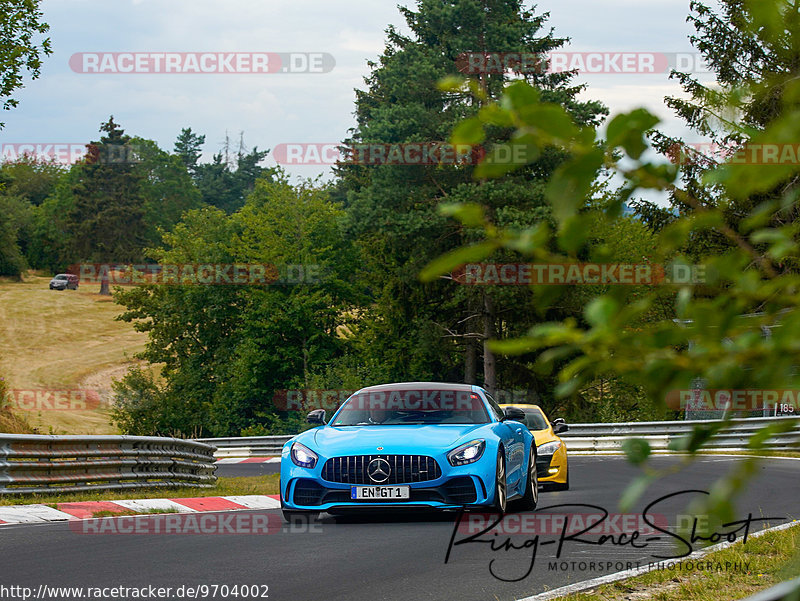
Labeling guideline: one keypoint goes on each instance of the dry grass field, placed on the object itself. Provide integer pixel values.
(63, 340)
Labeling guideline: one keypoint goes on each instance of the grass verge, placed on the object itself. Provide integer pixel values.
(13, 424)
(766, 561)
(257, 485)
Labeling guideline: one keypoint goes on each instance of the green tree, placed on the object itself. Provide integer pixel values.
(12, 262)
(747, 95)
(21, 48)
(188, 147)
(712, 338)
(438, 330)
(107, 218)
(30, 179)
(226, 181)
(227, 349)
(167, 189)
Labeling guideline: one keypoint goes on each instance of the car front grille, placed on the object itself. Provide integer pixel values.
(461, 491)
(404, 469)
(308, 493)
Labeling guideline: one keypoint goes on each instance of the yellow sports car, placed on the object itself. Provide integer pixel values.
(551, 460)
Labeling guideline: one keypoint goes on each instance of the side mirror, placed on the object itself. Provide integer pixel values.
(559, 426)
(513, 413)
(316, 417)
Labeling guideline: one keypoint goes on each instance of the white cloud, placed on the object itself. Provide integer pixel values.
(65, 106)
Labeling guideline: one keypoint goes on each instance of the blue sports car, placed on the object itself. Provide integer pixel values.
(411, 445)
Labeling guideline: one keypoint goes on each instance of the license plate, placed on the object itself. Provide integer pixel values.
(358, 493)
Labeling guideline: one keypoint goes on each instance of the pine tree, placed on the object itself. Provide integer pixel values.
(749, 47)
(107, 218)
(188, 147)
(438, 330)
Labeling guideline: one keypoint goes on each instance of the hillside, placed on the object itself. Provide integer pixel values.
(57, 345)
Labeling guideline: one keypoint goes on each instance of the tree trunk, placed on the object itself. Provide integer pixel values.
(104, 286)
(470, 360)
(489, 361)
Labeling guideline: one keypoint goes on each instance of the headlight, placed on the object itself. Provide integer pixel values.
(467, 453)
(303, 456)
(549, 448)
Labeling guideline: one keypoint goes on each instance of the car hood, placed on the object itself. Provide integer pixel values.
(543, 436)
(412, 439)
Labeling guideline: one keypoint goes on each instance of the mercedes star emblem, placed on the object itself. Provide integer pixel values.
(378, 470)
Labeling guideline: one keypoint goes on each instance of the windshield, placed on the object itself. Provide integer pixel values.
(534, 419)
(60, 277)
(412, 406)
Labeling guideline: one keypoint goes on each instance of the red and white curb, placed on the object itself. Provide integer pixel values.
(35, 514)
(227, 460)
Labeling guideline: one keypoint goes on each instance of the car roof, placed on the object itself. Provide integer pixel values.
(522, 406)
(420, 385)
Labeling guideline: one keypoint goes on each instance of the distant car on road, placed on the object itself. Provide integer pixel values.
(63, 281)
(411, 445)
(551, 452)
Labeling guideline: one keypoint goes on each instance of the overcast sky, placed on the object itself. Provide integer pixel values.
(65, 106)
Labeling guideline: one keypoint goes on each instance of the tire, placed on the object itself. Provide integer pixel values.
(530, 499)
(500, 504)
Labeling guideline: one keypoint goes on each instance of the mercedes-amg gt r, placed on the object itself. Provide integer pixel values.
(411, 445)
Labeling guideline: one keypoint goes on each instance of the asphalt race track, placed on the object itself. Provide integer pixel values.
(387, 557)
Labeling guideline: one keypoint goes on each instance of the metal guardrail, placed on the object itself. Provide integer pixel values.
(247, 446)
(735, 436)
(600, 438)
(36, 464)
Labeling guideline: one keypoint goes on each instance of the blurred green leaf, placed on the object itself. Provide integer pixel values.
(600, 311)
(456, 258)
(468, 132)
(452, 83)
(469, 214)
(637, 450)
(628, 129)
(569, 188)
